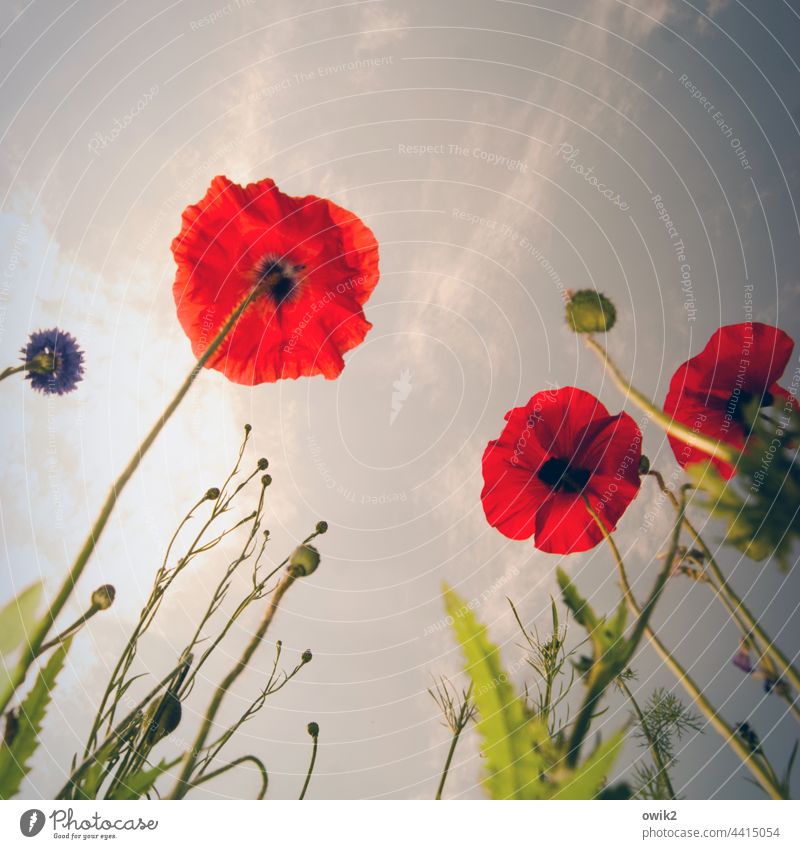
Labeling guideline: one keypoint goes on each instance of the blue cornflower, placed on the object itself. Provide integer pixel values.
(53, 361)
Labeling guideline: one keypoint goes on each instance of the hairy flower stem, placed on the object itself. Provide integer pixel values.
(720, 450)
(739, 611)
(44, 625)
(663, 774)
(310, 772)
(759, 772)
(184, 782)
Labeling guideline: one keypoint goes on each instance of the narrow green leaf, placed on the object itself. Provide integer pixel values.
(17, 618)
(509, 736)
(587, 780)
(14, 756)
(140, 783)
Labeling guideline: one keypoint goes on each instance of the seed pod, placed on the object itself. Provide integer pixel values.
(103, 597)
(304, 561)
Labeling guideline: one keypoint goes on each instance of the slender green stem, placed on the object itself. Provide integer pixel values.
(244, 759)
(452, 750)
(121, 728)
(68, 632)
(184, 782)
(741, 614)
(720, 450)
(663, 774)
(758, 770)
(42, 628)
(310, 772)
(607, 673)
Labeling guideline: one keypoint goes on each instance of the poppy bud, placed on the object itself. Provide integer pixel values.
(590, 312)
(304, 561)
(266, 480)
(644, 464)
(306, 656)
(103, 597)
(313, 729)
(162, 718)
(263, 463)
(248, 428)
(322, 527)
(212, 494)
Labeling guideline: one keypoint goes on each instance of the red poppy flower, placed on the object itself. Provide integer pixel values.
(709, 392)
(558, 449)
(313, 266)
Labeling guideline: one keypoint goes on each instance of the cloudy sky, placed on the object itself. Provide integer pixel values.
(459, 132)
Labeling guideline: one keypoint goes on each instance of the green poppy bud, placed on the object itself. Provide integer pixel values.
(306, 656)
(263, 463)
(644, 464)
(162, 718)
(304, 561)
(322, 527)
(103, 597)
(266, 480)
(212, 494)
(313, 729)
(590, 312)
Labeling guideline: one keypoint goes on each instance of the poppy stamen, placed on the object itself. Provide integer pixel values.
(558, 474)
(277, 278)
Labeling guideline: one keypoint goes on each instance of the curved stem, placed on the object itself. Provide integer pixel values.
(720, 450)
(68, 632)
(43, 626)
(758, 770)
(183, 784)
(738, 609)
(244, 759)
(310, 767)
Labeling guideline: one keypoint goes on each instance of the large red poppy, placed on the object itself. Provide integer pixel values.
(709, 393)
(558, 449)
(313, 266)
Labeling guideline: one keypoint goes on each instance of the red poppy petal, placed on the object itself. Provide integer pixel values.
(565, 526)
(330, 254)
(610, 497)
(748, 356)
(565, 413)
(511, 494)
(611, 446)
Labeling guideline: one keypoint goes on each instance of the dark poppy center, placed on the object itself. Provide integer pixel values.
(277, 277)
(560, 476)
(739, 401)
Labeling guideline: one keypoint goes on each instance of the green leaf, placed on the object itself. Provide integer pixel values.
(588, 779)
(14, 756)
(17, 618)
(140, 783)
(511, 739)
